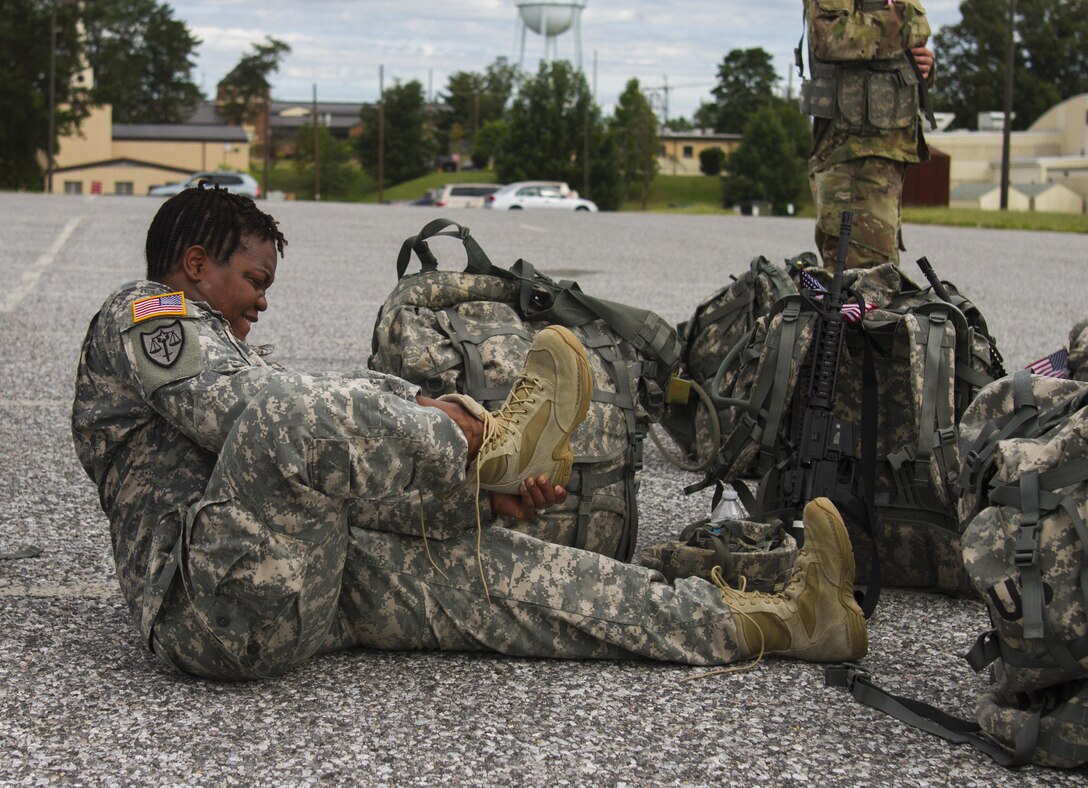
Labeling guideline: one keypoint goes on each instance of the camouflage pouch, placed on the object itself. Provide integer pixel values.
(469, 332)
(760, 553)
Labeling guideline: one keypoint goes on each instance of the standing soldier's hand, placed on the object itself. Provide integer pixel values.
(923, 56)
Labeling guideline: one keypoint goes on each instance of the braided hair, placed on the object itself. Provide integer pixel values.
(205, 216)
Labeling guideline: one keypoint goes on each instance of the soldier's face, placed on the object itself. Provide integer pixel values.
(239, 289)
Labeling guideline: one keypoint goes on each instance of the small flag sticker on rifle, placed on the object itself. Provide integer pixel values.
(851, 313)
(1053, 366)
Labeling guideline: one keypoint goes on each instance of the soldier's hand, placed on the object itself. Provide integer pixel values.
(537, 494)
(924, 57)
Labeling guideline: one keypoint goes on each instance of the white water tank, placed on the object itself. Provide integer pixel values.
(550, 19)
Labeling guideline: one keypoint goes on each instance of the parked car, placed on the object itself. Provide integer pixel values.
(464, 195)
(426, 200)
(538, 194)
(237, 182)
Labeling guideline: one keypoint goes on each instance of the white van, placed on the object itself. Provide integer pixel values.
(465, 195)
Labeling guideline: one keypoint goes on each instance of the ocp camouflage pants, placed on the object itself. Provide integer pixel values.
(308, 539)
(872, 189)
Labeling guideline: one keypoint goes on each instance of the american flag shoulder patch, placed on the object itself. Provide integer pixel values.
(158, 306)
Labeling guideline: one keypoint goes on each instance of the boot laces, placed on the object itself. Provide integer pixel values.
(500, 423)
(733, 597)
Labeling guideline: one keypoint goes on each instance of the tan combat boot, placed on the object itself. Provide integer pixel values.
(815, 617)
(530, 434)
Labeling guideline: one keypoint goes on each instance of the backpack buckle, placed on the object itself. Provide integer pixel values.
(844, 675)
(1027, 546)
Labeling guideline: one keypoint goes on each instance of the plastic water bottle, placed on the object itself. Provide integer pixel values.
(729, 507)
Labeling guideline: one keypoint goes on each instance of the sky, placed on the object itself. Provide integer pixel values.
(339, 45)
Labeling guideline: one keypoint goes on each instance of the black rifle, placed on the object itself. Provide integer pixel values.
(823, 464)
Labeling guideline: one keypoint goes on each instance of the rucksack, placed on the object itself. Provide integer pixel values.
(1024, 443)
(468, 332)
(718, 323)
(908, 370)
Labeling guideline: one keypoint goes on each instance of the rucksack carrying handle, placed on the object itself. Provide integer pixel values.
(478, 261)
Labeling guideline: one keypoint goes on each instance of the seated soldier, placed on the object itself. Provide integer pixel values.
(259, 517)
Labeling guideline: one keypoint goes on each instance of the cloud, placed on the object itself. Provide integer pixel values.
(340, 44)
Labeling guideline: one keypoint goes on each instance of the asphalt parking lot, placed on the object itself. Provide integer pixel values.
(81, 701)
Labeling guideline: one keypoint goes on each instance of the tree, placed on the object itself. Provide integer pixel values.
(711, 161)
(142, 59)
(547, 136)
(409, 142)
(475, 99)
(333, 161)
(635, 129)
(491, 137)
(746, 80)
(24, 87)
(766, 166)
(243, 92)
(1050, 58)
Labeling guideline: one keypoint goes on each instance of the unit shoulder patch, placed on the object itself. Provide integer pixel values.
(164, 351)
(164, 344)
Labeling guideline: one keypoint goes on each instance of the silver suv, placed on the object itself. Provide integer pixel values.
(237, 182)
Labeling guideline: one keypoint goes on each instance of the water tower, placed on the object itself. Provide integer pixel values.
(551, 18)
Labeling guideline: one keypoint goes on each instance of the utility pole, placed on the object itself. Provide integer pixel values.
(267, 140)
(1006, 132)
(665, 108)
(52, 95)
(381, 134)
(585, 151)
(317, 150)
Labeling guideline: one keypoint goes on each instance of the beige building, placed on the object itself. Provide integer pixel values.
(120, 158)
(1054, 150)
(678, 151)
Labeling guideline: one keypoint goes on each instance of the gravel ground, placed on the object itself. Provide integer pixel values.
(83, 702)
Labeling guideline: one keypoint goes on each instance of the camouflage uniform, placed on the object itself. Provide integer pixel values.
(864, 97)
(259, 517)
(1078, 351)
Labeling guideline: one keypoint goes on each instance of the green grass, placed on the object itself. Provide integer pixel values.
(1004, 220)
(682, 193)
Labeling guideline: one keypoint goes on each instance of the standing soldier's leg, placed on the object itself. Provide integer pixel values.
(546, 600)
(872, 188)
(263, 552)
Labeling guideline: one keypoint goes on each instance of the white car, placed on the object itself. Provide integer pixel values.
(538, 194)
(237, 182)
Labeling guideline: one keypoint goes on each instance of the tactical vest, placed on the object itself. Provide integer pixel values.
(862, 76)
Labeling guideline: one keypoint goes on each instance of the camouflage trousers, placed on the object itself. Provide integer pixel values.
(872, 188)
(308, 539)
